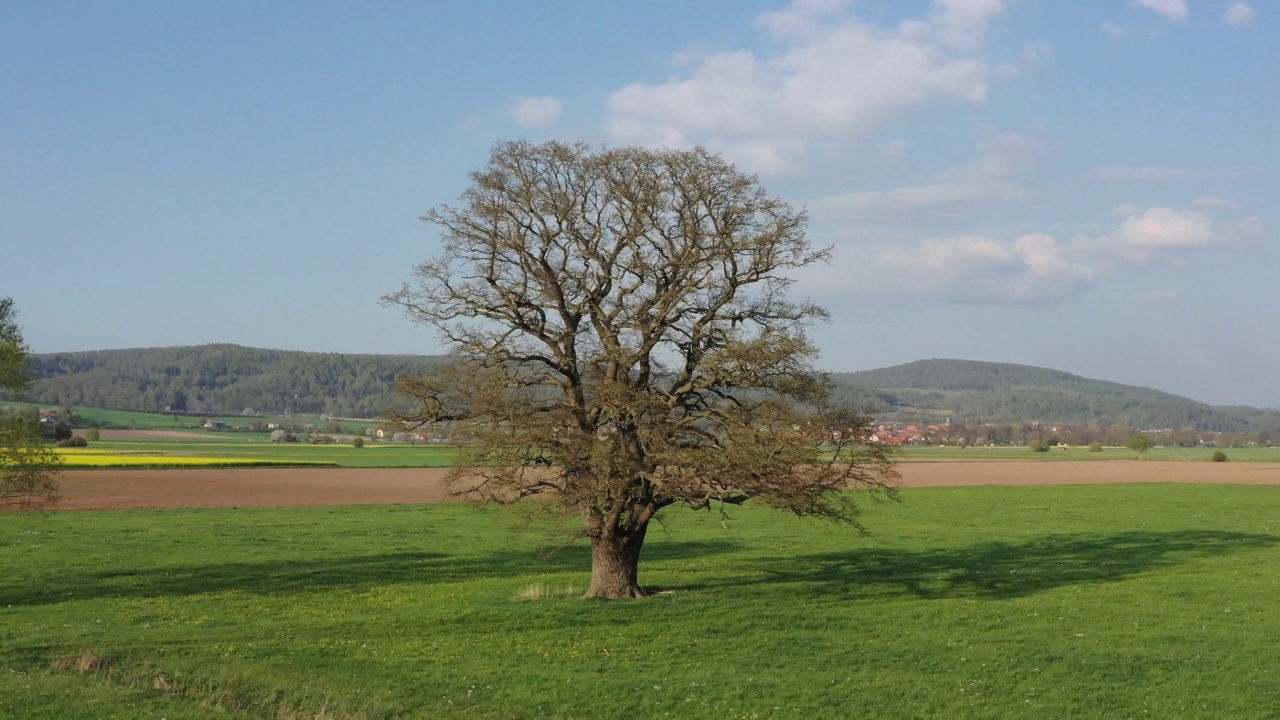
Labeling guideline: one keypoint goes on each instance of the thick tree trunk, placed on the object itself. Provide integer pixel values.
(615, 563)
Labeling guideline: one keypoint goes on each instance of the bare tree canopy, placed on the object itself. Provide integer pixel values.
(625, 343)
(28, 466)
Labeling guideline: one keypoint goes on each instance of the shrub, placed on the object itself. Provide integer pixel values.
(1096, 447)
(73, 441)
(357, 442)
(1219, 456)
(1038, 446)
(92, 434)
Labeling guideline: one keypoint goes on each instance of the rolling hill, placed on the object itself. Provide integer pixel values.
(227, 379)
(971, 391)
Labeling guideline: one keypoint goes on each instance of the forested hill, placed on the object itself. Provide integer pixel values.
(223, 379)
(228, 379)
(969, 391)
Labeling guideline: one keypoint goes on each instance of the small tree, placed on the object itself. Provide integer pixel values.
(1038, 445)
(357, 442)
(624, 343)
(1219, 456)
(28, 466)
(1140, 444)
(1095, 448)
(92, 434)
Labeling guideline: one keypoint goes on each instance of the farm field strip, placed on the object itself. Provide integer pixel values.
(178, 452)
(141, 461)
(387, 455)
(273, 487)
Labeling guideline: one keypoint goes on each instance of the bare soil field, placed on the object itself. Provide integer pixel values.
(272, 487)
(148, 435)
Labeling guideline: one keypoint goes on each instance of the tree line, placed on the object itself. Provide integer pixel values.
(227, 379)
(223, 380)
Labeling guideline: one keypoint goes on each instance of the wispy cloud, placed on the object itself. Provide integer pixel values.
(533, 112)
(1112, 29)
(1238, 15)
(1168, 9)
(1140, 172)
(1215, 203)
(1165, 295)
(995, 175)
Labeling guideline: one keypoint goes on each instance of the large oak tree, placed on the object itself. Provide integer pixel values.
(624, 342)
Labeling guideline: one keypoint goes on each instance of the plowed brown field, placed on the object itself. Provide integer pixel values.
(270, 487)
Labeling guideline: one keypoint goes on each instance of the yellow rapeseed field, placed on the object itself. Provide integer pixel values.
(73, 459)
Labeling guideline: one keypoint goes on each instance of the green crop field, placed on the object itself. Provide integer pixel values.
(128, 419)
(1010, 602)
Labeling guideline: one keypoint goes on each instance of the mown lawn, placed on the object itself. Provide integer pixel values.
(1011, 602)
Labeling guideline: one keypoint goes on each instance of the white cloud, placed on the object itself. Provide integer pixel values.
(1132, 172)
(1036, 267)
(1112, 29)
(1238, 15)
(1144, 234)
(827, 75)
(532, 112)
(1169, 9)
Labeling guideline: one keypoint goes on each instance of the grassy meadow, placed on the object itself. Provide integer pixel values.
(1011, 602)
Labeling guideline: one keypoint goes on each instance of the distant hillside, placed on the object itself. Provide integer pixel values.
(227, 379)
(971, 391)
(223, 380)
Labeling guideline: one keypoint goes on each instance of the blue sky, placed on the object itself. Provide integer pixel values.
(1084, 186)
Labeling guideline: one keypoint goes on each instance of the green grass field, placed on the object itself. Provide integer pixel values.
(1010, 602)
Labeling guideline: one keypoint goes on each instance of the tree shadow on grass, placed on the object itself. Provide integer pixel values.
(998, 570)
(318, 574)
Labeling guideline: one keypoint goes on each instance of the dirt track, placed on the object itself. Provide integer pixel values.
(268, 487)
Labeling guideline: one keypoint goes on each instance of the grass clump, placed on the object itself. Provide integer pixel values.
(543, 591)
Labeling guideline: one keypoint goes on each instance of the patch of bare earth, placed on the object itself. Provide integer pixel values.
(149, 435)
(248, 487)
